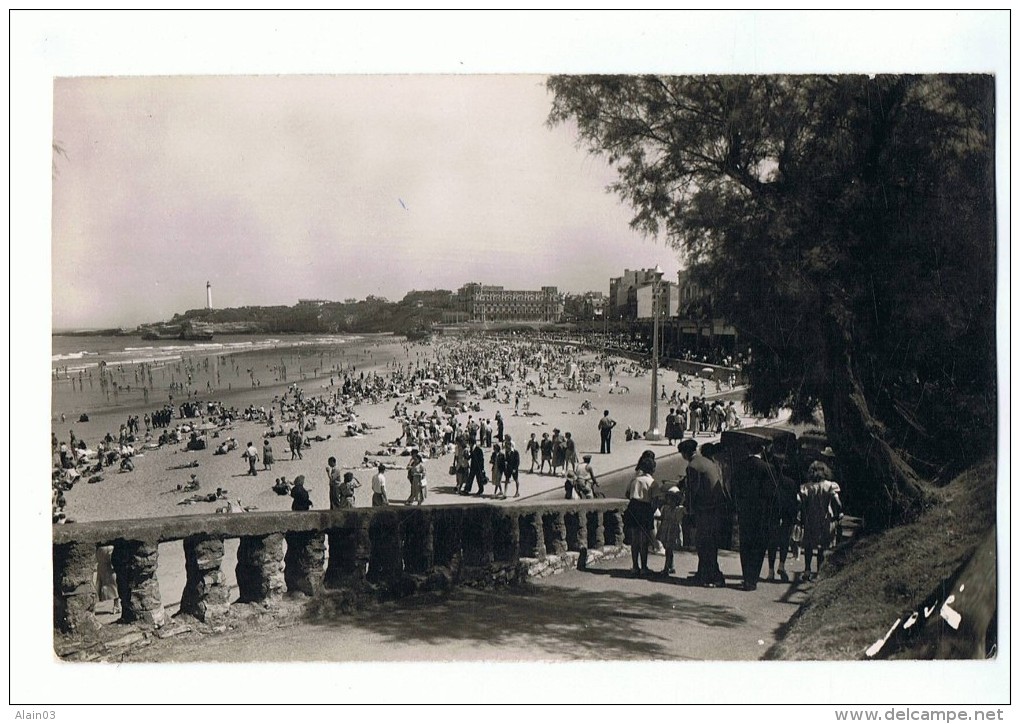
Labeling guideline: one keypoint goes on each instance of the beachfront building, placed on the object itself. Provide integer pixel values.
(622, 302)
(669, 300)
(695, 326)
(491, 303)
(687, 321)
(583, 307)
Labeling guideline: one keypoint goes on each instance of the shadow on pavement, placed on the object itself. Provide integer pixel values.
(565, 622)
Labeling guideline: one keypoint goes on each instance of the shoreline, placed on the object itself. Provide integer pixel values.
(74, 402)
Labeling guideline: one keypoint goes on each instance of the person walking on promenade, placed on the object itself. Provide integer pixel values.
(477, 470)
(570, 453)
(671, 426)
(709, 503)
(416, 474)
(499, 427)
(606, 425)
(638, 518)
(462, 464)
(484, 433)
(787, 509)
(821, 510)
(513, 466)
(379, 497)
(755, 492)
(252, 456)
(547, 452)
(497, 460)
(533, 449)
(559, 452)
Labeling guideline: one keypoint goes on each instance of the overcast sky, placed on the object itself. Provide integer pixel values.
(280, 187)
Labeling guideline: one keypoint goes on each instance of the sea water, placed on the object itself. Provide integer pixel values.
(96, 373)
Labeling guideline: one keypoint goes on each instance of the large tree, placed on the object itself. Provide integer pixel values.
(846, 227)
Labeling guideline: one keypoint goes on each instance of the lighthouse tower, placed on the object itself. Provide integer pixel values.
(208, 295)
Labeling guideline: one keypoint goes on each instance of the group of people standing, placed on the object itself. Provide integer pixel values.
(768, 505)
(343, 486)
(469, 467)
(700, 415)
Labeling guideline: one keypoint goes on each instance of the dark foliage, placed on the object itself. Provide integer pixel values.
(846, 227)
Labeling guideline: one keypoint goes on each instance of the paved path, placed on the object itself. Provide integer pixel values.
(600, 614)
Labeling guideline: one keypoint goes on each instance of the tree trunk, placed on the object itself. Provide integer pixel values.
(876, 480)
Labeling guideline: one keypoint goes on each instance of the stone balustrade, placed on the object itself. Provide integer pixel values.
(387, 552)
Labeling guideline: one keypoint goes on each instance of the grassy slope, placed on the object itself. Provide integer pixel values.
(865, 587)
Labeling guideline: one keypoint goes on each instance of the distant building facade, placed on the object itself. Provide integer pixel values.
(491, 303)
(623, 298)
(687, 321)
(669, 299)
(583, 307)
(696, 325)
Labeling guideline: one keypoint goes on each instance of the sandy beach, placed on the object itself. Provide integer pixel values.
(151, 489)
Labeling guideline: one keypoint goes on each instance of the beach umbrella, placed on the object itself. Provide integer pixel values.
(708, 371)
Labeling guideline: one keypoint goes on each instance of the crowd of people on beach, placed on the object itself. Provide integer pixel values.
(432, 426)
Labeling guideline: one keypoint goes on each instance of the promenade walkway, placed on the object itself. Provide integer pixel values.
(601, 614)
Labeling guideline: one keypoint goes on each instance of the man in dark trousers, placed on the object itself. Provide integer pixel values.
(513, 465)
(709, 502)
(755, 492)
(606, 425)
(477, 471)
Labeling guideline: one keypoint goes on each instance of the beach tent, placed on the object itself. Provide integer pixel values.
(456, 394)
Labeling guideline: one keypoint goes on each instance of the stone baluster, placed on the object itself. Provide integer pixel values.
(419, 553)
(555, 533)
(74, 594)
(596, 532)
(303, 562)
(206, 594)
(577, 530)
(532, 536)
(614, 527)
(135, 563)
(478, 540)
(350, 550)
(386, 560)
(260, 568)
(447, 536)
(506, 538)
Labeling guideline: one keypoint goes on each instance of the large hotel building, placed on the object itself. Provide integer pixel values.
(488, 303)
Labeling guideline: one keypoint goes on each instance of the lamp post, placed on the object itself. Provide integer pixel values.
(605, 327)
(653, 424)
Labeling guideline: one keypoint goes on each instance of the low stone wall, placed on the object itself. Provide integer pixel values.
(381, 553)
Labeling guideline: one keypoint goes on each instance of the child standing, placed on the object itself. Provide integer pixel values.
(670, 532)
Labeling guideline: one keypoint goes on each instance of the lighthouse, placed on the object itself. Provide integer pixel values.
(208, 295)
